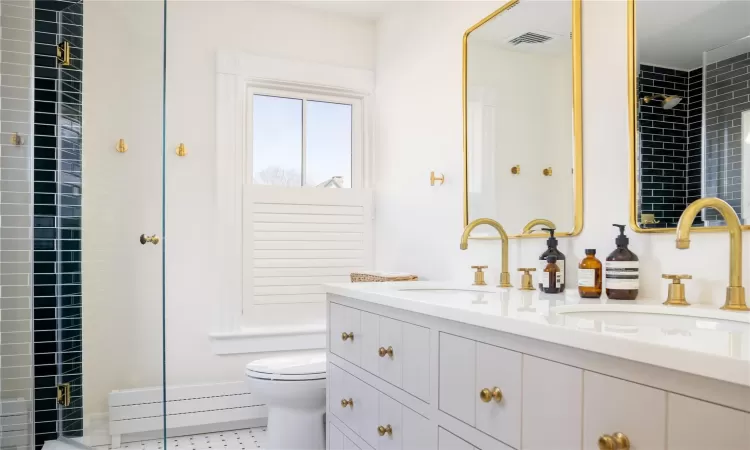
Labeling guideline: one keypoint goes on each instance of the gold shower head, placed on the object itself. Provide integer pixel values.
(667, 101)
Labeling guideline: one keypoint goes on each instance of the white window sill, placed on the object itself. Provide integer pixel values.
(257, 340)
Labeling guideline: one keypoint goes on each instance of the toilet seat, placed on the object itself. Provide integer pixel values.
(293, 367)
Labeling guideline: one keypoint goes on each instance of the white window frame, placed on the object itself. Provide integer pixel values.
(236, 74)
(310, 93)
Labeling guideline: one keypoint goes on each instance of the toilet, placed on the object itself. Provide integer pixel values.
(293, 387)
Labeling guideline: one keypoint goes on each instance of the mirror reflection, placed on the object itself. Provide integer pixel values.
(693, 109)
(521, 145)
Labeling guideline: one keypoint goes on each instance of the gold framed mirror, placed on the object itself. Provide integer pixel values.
(522, 119)
(689, 111)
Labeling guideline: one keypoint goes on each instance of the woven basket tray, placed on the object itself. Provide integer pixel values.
(370, 278)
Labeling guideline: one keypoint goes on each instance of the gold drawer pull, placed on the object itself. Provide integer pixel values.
(382, 351)
(486, 395)
(383, 430)
(345, 336)
(345, 403)
(617, 441)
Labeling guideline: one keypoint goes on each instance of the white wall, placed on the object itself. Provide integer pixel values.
(419, 129)
(122, 286)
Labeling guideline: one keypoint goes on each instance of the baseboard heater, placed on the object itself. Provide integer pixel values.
(15, 425)
(136, 413)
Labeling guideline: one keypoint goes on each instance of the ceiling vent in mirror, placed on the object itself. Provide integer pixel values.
(529, 38)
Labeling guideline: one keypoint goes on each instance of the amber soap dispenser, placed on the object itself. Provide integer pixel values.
(622, 270)
(552, 250)
(551, 276)
(590, 276)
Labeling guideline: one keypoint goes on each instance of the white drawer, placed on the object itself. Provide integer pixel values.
(697, 425)
(354, 402)
(552, 405)
(402, 428)
(466, 369)
(611, 405)
(344, 326)
(409, 366)
(337, 440)
(449, 441)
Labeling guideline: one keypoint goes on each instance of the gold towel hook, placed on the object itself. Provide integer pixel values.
(181, 150)
(122, 147)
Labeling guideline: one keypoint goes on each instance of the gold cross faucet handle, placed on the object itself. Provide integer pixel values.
(527, 283)
(479, 275)
(676, 290)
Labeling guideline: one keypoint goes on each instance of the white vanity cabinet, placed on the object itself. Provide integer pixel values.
(449, 441)
(697, 425)
(409, 381)
(338, 441)
(396, 351)
(552, 405)
(382, 422)
(480, 384)
(611, 405)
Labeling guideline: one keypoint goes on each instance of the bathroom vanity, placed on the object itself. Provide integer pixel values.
(434, 366)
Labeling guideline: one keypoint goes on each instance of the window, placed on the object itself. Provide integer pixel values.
(301, 139)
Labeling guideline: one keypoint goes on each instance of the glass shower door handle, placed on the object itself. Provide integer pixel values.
(146, 239)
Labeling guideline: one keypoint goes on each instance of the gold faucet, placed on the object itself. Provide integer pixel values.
(529, 226)
(735, 300)
(504, 275)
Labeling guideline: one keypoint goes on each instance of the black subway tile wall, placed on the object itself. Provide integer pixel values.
(57, 220)
(694, 148)
(727, 96)
(663, 145)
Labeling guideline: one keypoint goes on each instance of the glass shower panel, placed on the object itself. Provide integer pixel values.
(16, 226)
(726, 173)
(81, 223)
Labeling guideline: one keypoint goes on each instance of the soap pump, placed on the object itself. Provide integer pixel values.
(622, 270)
(552, 250)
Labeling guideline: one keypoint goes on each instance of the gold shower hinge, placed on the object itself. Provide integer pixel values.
(63, 53)
(63, 394)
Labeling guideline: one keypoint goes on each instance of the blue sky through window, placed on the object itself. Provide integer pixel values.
(277, 141)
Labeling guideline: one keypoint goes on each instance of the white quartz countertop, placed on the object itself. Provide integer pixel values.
(700, 340)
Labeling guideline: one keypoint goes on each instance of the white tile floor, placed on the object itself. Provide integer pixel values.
(250, 439)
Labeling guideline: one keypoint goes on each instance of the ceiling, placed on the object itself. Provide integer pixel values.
(360, 9)
(675, 33)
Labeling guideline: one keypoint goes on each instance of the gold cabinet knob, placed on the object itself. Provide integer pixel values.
(181, 150)
(345, 336)
(383, 430)
(382, 351)
(479, 275)
(547, 171)
(347, 402)
(616, 441)
(146, 239)
(487, 395)
(676, 290)
(515, 170)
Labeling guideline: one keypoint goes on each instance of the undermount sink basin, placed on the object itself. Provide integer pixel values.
(657, 316)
